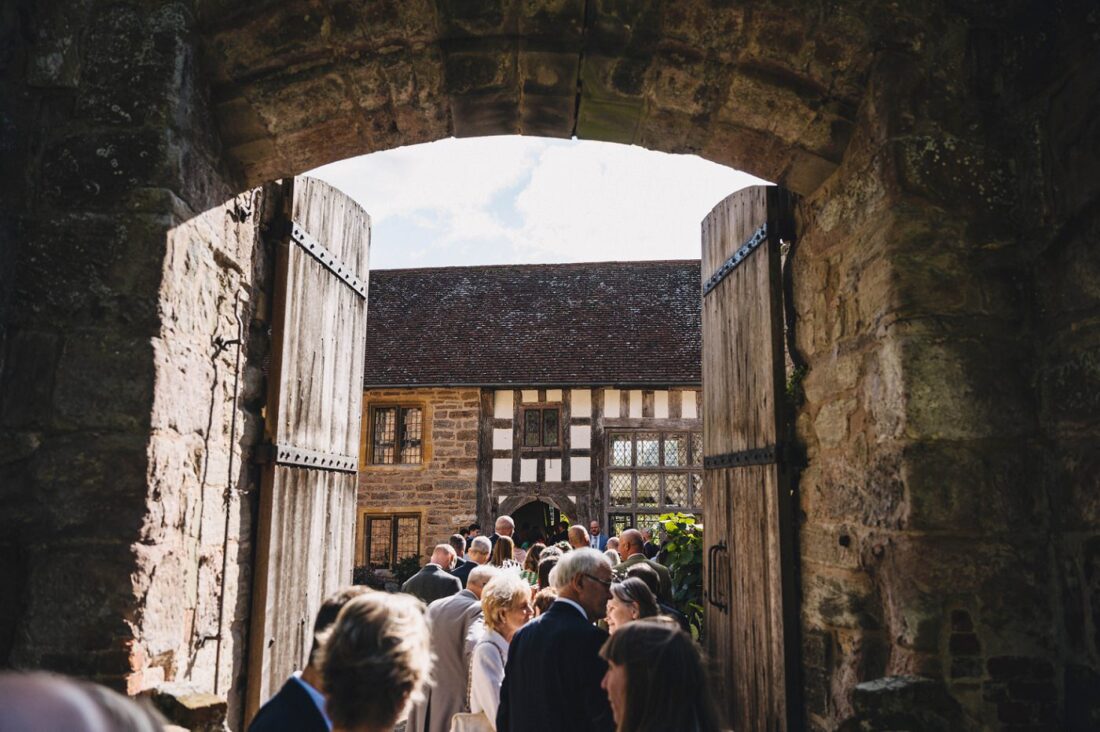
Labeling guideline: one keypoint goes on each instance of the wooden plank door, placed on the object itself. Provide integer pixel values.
(750, 613)
(305, 541)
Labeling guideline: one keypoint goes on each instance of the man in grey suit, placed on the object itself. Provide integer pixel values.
(433, 581)
(632, 551)
(450, 621)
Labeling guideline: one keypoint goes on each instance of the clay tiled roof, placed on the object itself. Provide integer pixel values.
(614, 323)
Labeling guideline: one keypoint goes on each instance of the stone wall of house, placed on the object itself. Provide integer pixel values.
(443, 489)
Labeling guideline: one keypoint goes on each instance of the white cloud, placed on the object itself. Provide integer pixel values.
(513, 199)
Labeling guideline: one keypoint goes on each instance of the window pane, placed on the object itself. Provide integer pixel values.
(383, 434)
(696, 449)
(378, 541)
(649, 446)
(696, 490)
(549, 427)
(411, 440)
(647, 488)
(531, 419)
(675, 451)
(620, 522)
(620, 493)
(676, 489)
(408, 537)
(621, 452)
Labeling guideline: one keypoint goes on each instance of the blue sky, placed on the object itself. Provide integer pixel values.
(520, 200)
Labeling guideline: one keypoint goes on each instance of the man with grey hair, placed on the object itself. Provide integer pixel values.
(505, 526)
(450, 620)
(433, 580)
(553, 673)
(480, 549)
(632, 552)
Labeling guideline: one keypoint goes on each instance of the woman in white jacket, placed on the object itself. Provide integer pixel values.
(506, 607)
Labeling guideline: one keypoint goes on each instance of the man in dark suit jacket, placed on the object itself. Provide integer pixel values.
(553, 674)
(299, 706)
(433, 581)
(458, 543)
(479, 554)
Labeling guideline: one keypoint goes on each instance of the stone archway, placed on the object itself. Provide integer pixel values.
(943, 300)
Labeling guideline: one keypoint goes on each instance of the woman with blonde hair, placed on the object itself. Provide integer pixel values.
(630, 600)
(505, 608)
(504, 554)
(644, 696)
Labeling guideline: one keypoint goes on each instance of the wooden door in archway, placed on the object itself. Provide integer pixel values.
(305, 539)
(750, 613)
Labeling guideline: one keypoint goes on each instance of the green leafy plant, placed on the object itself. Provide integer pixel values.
(682, 551)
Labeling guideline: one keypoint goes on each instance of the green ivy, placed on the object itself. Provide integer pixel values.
(682, 551)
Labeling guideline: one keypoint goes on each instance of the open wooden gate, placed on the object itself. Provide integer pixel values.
(750, 618)
(306, 532)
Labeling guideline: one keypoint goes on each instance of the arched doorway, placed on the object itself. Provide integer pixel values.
(535, 521)
(909, 319)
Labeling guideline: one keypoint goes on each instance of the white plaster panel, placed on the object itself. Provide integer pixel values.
(502, 469)
(580, 437)
(687, 408)
(553, 395)
(528, 470)
(611, 403)
(553, 471)
(635, 403)
(502, 439)
(580, 468)
(502, 404)
(580, 403)
(660, 404)
(530, 395)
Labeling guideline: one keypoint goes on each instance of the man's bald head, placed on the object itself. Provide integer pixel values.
(630, 543)
(444, 555)
(505, 526)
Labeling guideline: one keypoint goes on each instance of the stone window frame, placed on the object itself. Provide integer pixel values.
(366, 439)
(366, 514)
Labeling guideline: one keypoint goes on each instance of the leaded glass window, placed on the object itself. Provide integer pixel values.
(650, 473)
(621, 493)
(541, 427)
(391, 538)
(649, 485)
(396, 435)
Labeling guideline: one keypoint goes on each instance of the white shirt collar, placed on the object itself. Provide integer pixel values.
(577, 605)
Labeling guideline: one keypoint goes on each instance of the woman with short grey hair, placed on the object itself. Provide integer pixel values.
(505, 608)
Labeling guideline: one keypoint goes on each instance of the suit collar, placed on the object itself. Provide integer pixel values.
(564, 603)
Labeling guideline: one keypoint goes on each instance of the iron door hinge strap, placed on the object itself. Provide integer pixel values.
(751, 244)
(328, 260)
(300, 457)
(757, 456)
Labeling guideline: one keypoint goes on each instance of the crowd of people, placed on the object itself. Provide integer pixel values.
(562, 637)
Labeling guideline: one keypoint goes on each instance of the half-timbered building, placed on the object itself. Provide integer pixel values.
(534, 390)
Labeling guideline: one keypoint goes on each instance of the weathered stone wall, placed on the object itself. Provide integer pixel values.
(937, 478)
(443, 489)
(127, 407)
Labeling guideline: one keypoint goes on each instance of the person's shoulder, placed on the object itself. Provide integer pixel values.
(288, 709)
